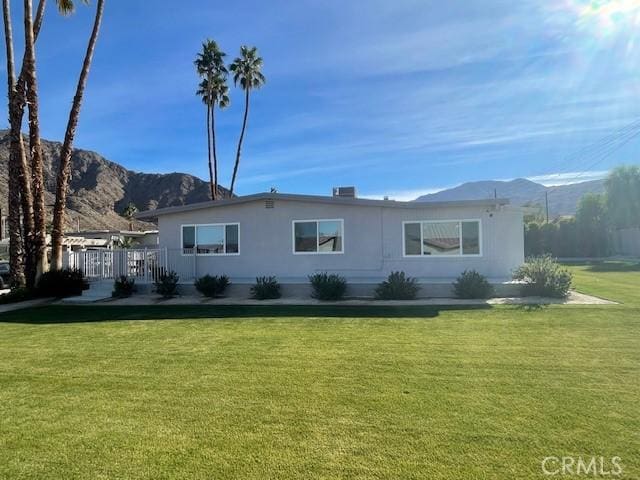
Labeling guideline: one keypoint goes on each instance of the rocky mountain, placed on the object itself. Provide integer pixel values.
(101, 189)
(563, 199)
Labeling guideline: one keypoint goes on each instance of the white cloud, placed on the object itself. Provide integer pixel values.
(568, 178)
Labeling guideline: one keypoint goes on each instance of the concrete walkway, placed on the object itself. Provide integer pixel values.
(11, 307)
(574, 298)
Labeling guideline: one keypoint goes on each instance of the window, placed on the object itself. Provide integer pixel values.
(318, 236)
(218, 239)
(442, 238)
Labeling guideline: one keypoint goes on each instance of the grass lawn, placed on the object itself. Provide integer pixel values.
(211, 393)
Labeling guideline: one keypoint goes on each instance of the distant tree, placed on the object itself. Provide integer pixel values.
(67, 7)
(592, 225)
(247, 72)
(214, 91)
(623, 197)
(129, 213)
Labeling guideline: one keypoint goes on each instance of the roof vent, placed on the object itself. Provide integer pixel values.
(344, 192)
(269, 203)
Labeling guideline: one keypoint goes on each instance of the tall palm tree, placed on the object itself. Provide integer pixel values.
(19, 171)
(15, 236)
(246, 71)
(214, 91)
(64, 169)
(35, 148)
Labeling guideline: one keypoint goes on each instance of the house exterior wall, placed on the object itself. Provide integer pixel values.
(373, 241)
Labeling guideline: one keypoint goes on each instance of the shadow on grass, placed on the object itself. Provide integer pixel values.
(76, 314)
(608, 266)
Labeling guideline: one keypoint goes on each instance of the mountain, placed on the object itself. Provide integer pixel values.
(101, 189)
(563, 199)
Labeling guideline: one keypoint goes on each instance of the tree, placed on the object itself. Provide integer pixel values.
(592, 225)
(623, 196)
(35, 149)
(246, 71)
(64, 169)
(214, 91)
(129, 213)
(20, 196)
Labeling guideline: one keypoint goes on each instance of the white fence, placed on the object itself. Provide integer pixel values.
(145, 265)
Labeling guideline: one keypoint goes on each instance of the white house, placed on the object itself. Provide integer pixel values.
(293, 236)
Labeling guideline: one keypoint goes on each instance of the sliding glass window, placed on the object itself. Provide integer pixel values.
(442, 238)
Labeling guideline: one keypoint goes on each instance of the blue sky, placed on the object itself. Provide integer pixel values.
(398, 98)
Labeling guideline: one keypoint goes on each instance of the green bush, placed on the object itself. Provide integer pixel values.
(266, 288)
(471, 284)
(123, 287)
(167, 284)
(61, 283)
(16, 295)
(212, 286)
(327, 287)
(544, 277)
(397, 286)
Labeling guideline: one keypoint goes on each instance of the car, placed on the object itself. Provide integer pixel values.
(5, 273)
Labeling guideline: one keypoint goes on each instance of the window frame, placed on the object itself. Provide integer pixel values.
(317, 221)
(459, 222)
(195, 247)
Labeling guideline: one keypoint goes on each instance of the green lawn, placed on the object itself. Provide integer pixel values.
(213, 393)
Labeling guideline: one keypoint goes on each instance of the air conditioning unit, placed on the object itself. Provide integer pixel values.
(345, 192)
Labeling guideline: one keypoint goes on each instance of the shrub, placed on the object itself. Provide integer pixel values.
(397, 287)
(544, 277)
(471, 284)
(123, 287)
(16, 295)
(266, 288)
(167, 284)
(61, 283)
(328, 287)
(212, 286)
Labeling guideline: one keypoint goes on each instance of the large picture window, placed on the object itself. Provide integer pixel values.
(217, 239)
(318, 236)
(442, 238)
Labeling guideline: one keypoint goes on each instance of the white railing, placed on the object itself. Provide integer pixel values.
(144, 265)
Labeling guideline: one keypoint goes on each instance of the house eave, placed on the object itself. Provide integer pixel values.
(363, 202)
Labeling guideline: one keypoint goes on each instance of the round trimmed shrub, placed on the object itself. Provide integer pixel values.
(266, 288)
(123, 287)
(397, 286)
(543, 276)
(471, 284)
(328, 287)
(212, 286)
(67, 282)
(166, 284)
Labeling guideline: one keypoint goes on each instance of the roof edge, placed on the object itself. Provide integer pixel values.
(148, 214)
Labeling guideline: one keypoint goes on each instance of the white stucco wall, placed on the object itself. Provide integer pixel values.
(373, 241)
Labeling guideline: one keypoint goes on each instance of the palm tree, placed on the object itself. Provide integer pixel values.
(35, 149)
(129, 213)
(64, 169)
(19, 176)
(213, 90)
(246, 71)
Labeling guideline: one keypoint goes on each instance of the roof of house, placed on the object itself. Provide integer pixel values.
(335, 200)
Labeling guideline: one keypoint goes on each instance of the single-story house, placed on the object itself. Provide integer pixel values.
(292, 236)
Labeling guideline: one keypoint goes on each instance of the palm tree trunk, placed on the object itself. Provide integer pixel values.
(64, 169)
(35, 147)
(16, 245)
(244, 126)
(213, 145)
(19, 180)
(213, 193)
